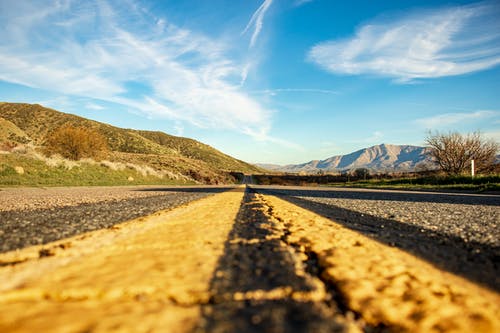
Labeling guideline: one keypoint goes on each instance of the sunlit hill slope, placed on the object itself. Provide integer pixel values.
(31, 123)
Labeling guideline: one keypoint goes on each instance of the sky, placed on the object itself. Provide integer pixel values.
(265, 81)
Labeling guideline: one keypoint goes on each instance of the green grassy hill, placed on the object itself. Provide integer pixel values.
(22, 123)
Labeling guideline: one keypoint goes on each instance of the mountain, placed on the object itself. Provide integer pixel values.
(31, 123)
(384, 157)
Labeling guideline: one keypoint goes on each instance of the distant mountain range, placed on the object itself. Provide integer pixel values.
(384, 157)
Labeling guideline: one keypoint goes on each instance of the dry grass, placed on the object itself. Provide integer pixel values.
(40, 170)
(153, 154)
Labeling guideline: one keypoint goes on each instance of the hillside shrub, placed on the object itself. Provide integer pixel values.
(75, 143)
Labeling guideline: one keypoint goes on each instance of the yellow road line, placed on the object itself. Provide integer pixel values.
(149, 274)
(386, 285)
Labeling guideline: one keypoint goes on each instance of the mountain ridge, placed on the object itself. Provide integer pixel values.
(31, 123)
(383, 157)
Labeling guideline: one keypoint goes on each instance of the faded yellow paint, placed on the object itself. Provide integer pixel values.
(150, 274)
(386, 285)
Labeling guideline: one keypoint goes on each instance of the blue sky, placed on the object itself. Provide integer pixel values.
(274, 81)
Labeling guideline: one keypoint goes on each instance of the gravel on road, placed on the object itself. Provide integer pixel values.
(33, 198)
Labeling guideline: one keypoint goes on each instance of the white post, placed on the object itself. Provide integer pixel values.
(472, 168)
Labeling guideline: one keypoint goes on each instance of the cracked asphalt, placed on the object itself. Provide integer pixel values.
(265, 260)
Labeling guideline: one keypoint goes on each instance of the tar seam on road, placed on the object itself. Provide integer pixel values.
(262, 284)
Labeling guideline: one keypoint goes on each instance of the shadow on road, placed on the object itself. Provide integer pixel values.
(193, 189)
(472, 260)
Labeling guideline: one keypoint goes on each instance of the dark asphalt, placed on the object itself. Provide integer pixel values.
(21, 228)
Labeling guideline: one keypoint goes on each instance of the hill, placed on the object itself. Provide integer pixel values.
(10, 132)
(384, 157)
(30, 123)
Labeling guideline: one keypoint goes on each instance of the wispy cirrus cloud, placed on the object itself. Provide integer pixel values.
(449, 119)
(256, 21)
(426, 44)
(119, 52)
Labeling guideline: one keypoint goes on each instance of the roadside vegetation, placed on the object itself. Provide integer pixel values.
(75, 143)
(33, 169)
(463, 162)
(72, 156)
(407, 181)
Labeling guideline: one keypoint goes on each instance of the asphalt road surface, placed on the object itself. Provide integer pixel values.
(32, 216)
(254, 259)
(458, 232)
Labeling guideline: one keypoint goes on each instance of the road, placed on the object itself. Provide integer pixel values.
(254, 259)
(32, 216)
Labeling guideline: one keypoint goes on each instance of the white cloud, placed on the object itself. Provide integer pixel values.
(376, 137)
(427, 44)
(120, 53)
(244, 74)
(447, 119)
(257, 21)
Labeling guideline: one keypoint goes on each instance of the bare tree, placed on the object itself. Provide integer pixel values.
(453, 152)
